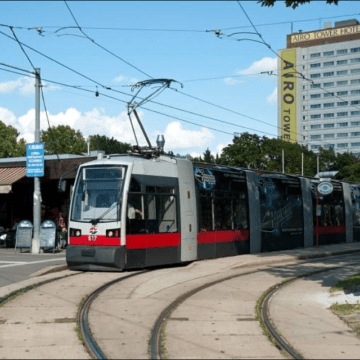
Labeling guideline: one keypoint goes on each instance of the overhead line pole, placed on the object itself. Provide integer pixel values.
(35, 248)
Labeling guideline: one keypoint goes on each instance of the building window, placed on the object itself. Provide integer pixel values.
(313, 76)
(354, 50)
(313, 127)
(316, 116)
(342, 135)
(341, 73)
(329, 146)
(343, 124)
(314, 137)
(355, 123)
(315, 106)
(328, 84)
(356, 81)
(315, 147)
(313, 86)
(341, 62)
(327, 105)
(329, 136)
(327, 74)
(355, 102)
(329, 115)
(355, 113)
(341, 83)
(316, 65)
(355, 61)
(343, 113)
(315, 96)
(328, 63)
(342, 103)
(355, 71)
(356, 144)
(328, 53)
(342, 93)
(354, 92)
(315, 55)
(341, 51)
(343, 145)
(329, 94)
(356, 133)
(328, 126)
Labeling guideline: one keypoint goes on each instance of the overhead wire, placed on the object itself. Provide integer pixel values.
(100, 46)
(96, 82)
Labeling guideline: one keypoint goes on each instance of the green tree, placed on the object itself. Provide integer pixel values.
(110, 146)
(292, 3)
(9, 146)
(208, 158)
(245, 151)
(349, 173)
(63, 140)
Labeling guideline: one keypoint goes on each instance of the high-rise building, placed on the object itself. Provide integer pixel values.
(319, 88)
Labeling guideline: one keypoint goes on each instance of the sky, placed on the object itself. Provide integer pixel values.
(153, 39)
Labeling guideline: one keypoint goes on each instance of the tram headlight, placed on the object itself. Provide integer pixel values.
(75, 232)
(113, 233)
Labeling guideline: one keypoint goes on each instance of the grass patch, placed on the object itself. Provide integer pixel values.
(345, 309)
(17, 293)
(79, 335)
(348, 284)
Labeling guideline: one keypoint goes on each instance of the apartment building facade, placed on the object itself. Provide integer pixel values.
(319, 88)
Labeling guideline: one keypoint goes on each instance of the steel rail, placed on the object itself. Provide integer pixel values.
(83, 317)
(264, 309)
(157, 343)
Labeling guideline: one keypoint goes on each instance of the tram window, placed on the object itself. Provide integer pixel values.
(205, 214)
(135, 186)
(223, 214)
(240, 215)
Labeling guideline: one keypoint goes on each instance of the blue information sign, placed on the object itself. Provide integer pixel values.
(35, 160)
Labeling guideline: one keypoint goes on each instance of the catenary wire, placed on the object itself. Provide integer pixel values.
(129, 94)
(100, 46)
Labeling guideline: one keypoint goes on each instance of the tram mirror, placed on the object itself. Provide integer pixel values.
(62, 186)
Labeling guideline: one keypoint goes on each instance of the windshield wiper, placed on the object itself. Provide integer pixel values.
(95, 221)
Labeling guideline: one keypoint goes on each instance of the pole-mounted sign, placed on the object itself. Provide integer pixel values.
(35, 159)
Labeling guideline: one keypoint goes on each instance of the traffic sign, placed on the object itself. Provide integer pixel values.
(35, 160)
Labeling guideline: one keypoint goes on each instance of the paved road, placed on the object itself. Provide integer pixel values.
(18, 267)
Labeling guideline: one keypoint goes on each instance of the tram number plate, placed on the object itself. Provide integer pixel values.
(92, 237)
(88, 252)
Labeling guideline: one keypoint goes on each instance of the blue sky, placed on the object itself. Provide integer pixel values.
(180, 55)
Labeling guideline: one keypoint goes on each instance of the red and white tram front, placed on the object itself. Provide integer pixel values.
(125, 213)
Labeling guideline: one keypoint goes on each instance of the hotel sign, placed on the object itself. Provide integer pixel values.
(288, 95)
(325, 34)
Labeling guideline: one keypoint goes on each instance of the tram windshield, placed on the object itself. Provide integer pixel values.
(98, 194)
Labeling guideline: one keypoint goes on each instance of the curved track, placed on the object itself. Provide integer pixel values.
(157, 341)
(89, 341)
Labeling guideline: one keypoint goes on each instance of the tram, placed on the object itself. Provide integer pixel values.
(148, 209)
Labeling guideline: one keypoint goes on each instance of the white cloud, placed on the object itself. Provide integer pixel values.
(231, 81)
(264, 64)
(177, 137)
(272, 99)
(7, 116)
(25, 86)
(220, 147)
(126, 78)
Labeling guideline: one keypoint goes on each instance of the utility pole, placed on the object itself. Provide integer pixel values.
(283, 162)
(302, 164)
(317, 158)
(35, 248)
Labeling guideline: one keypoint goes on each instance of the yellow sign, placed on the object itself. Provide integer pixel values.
(288, 95)
(326, 33)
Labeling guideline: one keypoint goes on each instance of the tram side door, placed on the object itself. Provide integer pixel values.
(187, 210)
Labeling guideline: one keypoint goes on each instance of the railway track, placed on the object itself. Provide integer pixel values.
(83, 315)
(157, 346)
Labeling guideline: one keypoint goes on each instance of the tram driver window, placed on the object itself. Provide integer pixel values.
(151, 211)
